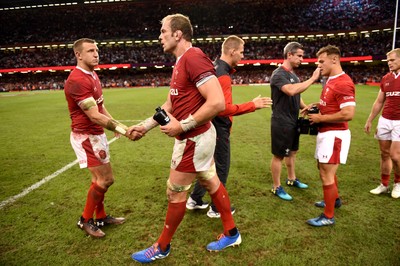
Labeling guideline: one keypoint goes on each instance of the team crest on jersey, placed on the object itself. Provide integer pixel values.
(102, 154)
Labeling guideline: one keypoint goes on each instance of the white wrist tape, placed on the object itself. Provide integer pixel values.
(149, 124)
(116, 126)
(120, 130)
(188, 123)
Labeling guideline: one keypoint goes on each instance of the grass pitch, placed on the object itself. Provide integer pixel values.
(40, 228)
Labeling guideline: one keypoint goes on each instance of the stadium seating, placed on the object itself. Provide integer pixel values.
(28, 39)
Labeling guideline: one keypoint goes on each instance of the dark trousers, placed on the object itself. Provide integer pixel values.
(222, 158)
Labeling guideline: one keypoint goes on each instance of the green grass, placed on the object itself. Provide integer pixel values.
(39, 228)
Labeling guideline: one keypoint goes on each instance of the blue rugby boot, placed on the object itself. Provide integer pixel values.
(151, 254)
(321, 220)
(224, 242)
(296, 183)
(280, 192)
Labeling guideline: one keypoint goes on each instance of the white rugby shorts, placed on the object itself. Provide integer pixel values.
(91, 150)
(388, 129)
(333, 146)
(193, 155)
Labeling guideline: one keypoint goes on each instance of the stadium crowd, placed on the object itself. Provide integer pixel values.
(376, 44)
(139, 20)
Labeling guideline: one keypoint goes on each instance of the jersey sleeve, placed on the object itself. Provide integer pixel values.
(199, 67)
(279, 80)
(230, 108)
(346, 95)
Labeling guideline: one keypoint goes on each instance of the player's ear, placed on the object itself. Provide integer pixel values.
(178, 34)
(335, 59)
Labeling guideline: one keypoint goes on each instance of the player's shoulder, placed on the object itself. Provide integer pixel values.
(194, 52)
(388, 76)
(342, 83)
(277, 72)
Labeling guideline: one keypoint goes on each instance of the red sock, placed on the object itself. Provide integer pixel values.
(385, 179)
(396, 179)
(337, 187)
(330, 192)
(94, 196)
(221, 200)
(100, 211)
(175, 214)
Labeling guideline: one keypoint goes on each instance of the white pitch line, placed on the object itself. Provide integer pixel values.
(41, 182)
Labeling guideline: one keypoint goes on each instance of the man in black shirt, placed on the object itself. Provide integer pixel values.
(285, 93)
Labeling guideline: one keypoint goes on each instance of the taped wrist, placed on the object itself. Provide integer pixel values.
(188, 123)
(116, 126)
(149, 123)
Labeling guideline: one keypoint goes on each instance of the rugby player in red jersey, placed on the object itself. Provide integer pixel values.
(388, 129)
(337, 106)
(195, 97)
(89, 116)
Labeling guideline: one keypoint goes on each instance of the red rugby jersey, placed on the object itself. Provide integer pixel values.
(390, 86)
(338, 92)
(79, 86)
(190, 69)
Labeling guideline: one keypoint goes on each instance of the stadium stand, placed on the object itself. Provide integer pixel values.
(27, 39)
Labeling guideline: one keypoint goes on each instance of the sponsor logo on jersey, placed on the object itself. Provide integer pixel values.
(392, 93)
(99, 100)
(173, 91)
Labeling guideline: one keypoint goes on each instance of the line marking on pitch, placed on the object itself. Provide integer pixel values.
(41, 182)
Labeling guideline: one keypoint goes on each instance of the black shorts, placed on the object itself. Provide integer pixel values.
(284, 138)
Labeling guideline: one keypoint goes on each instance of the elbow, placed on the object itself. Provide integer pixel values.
(291, 93)
(222, 107)
(219, 106)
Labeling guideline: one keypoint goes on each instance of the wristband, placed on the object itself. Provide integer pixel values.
(116, 126)
(188, 123)
(120, 130)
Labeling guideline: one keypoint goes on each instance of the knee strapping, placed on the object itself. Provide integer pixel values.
(176, 187)
(207, 175)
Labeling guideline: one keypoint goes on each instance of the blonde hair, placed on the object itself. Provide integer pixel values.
(396, 51)
(231, 42)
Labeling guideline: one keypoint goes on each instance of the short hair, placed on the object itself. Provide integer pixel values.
(396, 51)
(291, 47)
(231, 42)
(182, 23)
(329, 50)
(78, 44)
